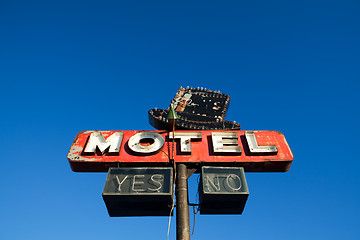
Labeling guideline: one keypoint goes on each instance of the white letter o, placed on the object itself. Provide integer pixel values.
(136, 146)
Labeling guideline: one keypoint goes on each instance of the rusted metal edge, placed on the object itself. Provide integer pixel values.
(270, 166)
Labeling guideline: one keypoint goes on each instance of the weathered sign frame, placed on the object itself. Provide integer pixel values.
(202, 151)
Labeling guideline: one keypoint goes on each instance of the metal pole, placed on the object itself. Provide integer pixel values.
(182, 206)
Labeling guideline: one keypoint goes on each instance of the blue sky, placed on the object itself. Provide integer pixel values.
(68, 66)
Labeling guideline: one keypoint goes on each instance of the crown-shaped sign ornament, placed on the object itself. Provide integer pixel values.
(194, 109)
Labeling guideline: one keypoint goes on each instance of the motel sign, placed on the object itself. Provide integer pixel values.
(147, 169)
(256, 151)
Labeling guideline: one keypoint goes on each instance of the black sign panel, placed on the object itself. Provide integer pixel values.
(223, 190)
(138, 191)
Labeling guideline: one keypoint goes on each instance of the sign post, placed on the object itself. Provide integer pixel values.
(182, 205)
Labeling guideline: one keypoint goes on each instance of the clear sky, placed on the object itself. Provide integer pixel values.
(68, 66)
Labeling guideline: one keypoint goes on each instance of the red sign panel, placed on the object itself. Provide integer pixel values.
(256, 151)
